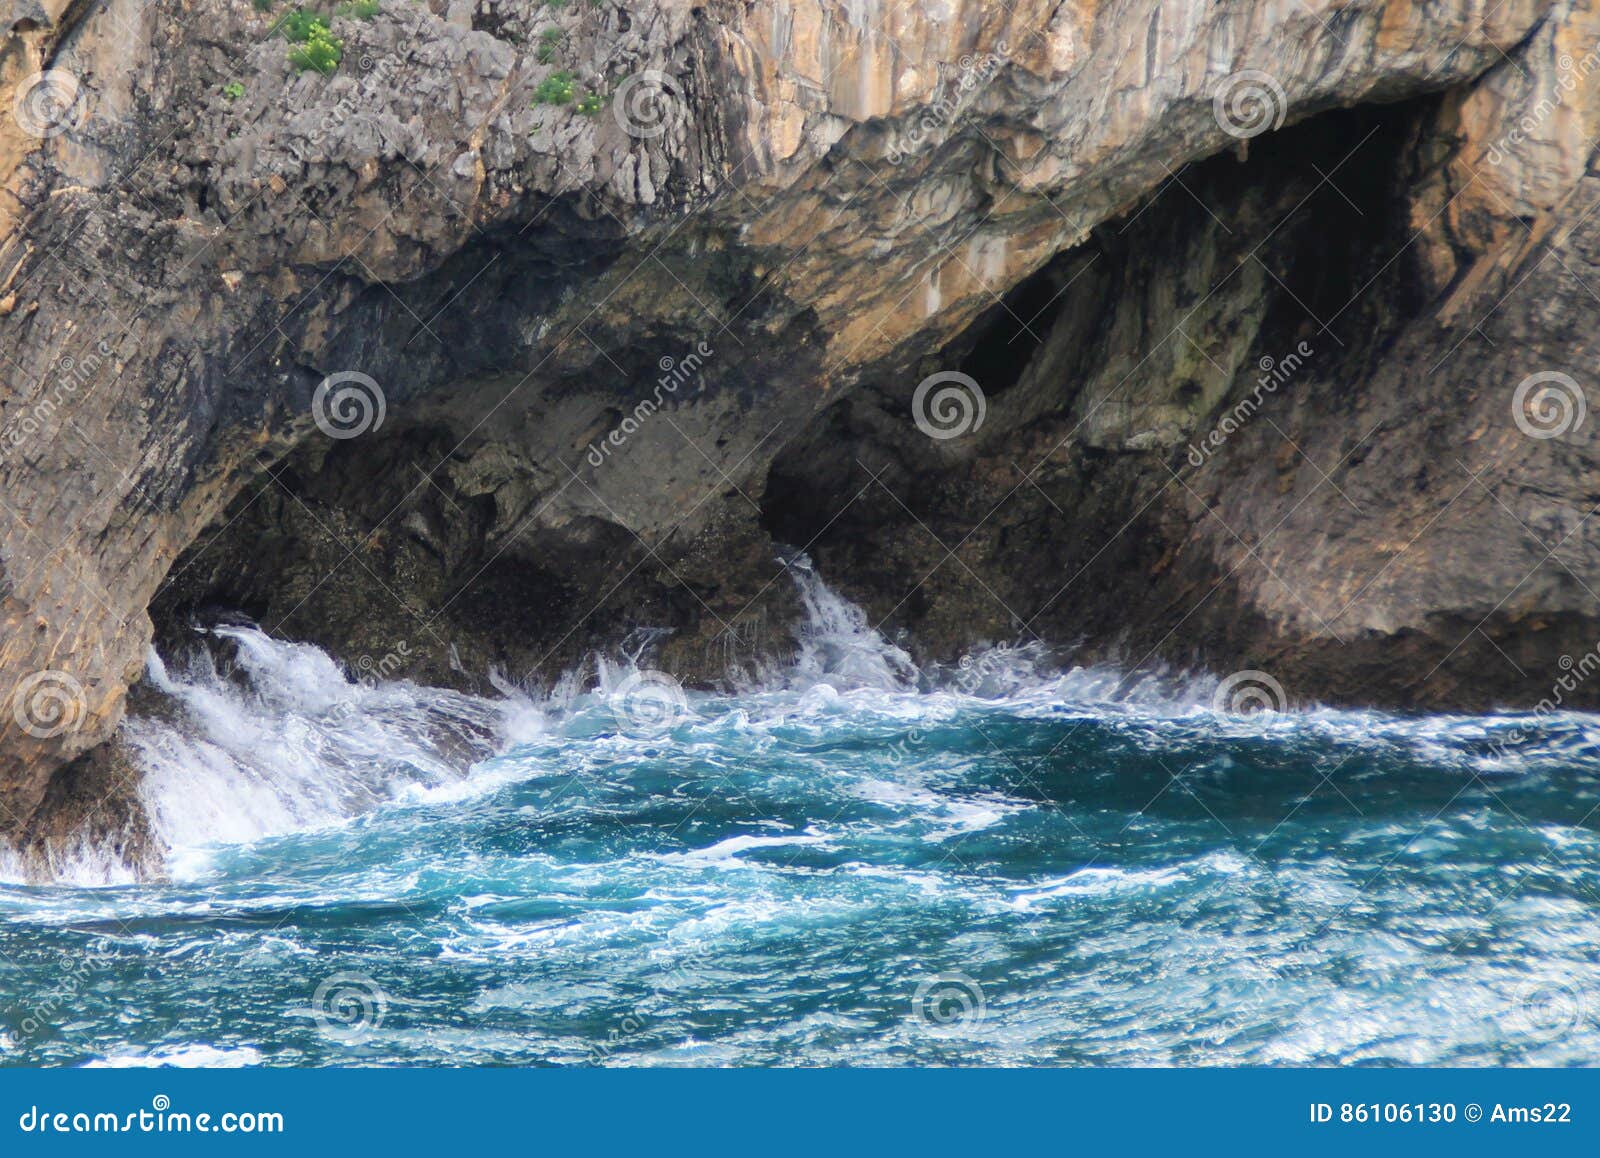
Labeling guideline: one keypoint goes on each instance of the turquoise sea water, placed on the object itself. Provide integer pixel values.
(848, 863)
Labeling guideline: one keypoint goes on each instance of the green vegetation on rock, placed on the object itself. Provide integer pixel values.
(312, 46)
(556, 89)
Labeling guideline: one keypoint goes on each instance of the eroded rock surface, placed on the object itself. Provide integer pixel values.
(627, 343)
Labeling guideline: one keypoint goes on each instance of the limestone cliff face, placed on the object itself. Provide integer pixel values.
(530, 325)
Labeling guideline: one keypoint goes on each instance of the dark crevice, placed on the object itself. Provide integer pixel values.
(1040, 503)
(1008, 335)
(1060, 527)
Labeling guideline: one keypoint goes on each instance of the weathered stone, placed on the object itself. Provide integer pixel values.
(835, 201)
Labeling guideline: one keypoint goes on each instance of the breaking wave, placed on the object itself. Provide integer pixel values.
(1063, 866)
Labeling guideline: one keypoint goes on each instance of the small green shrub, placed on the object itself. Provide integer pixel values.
(312, 46)
(321, 52)
(233, 90)
(297, 25)
(549, 40)
(555, 89)
(360, 9)
(591, 103)
(318, 55)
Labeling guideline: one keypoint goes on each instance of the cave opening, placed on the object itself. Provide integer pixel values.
(1301, 238)
(1319, 207)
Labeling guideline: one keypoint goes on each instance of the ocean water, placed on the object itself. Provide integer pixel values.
(846, 862)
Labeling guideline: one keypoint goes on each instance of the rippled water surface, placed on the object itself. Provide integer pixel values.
(851, 863)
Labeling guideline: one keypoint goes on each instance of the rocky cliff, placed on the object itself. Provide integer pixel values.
(451, 336)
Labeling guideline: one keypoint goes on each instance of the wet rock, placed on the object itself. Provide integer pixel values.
(201, 246)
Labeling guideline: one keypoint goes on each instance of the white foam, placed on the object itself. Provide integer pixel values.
(953, 816)
(838, 648)
(1094, 882)
(181, 1057)
(289, 742)
(292, 744)
(726, 851)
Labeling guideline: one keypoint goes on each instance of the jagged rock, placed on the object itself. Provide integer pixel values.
(1097, 211)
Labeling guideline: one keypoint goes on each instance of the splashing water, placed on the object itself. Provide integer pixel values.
(300, 745)
(855, 862)
(837, 647)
